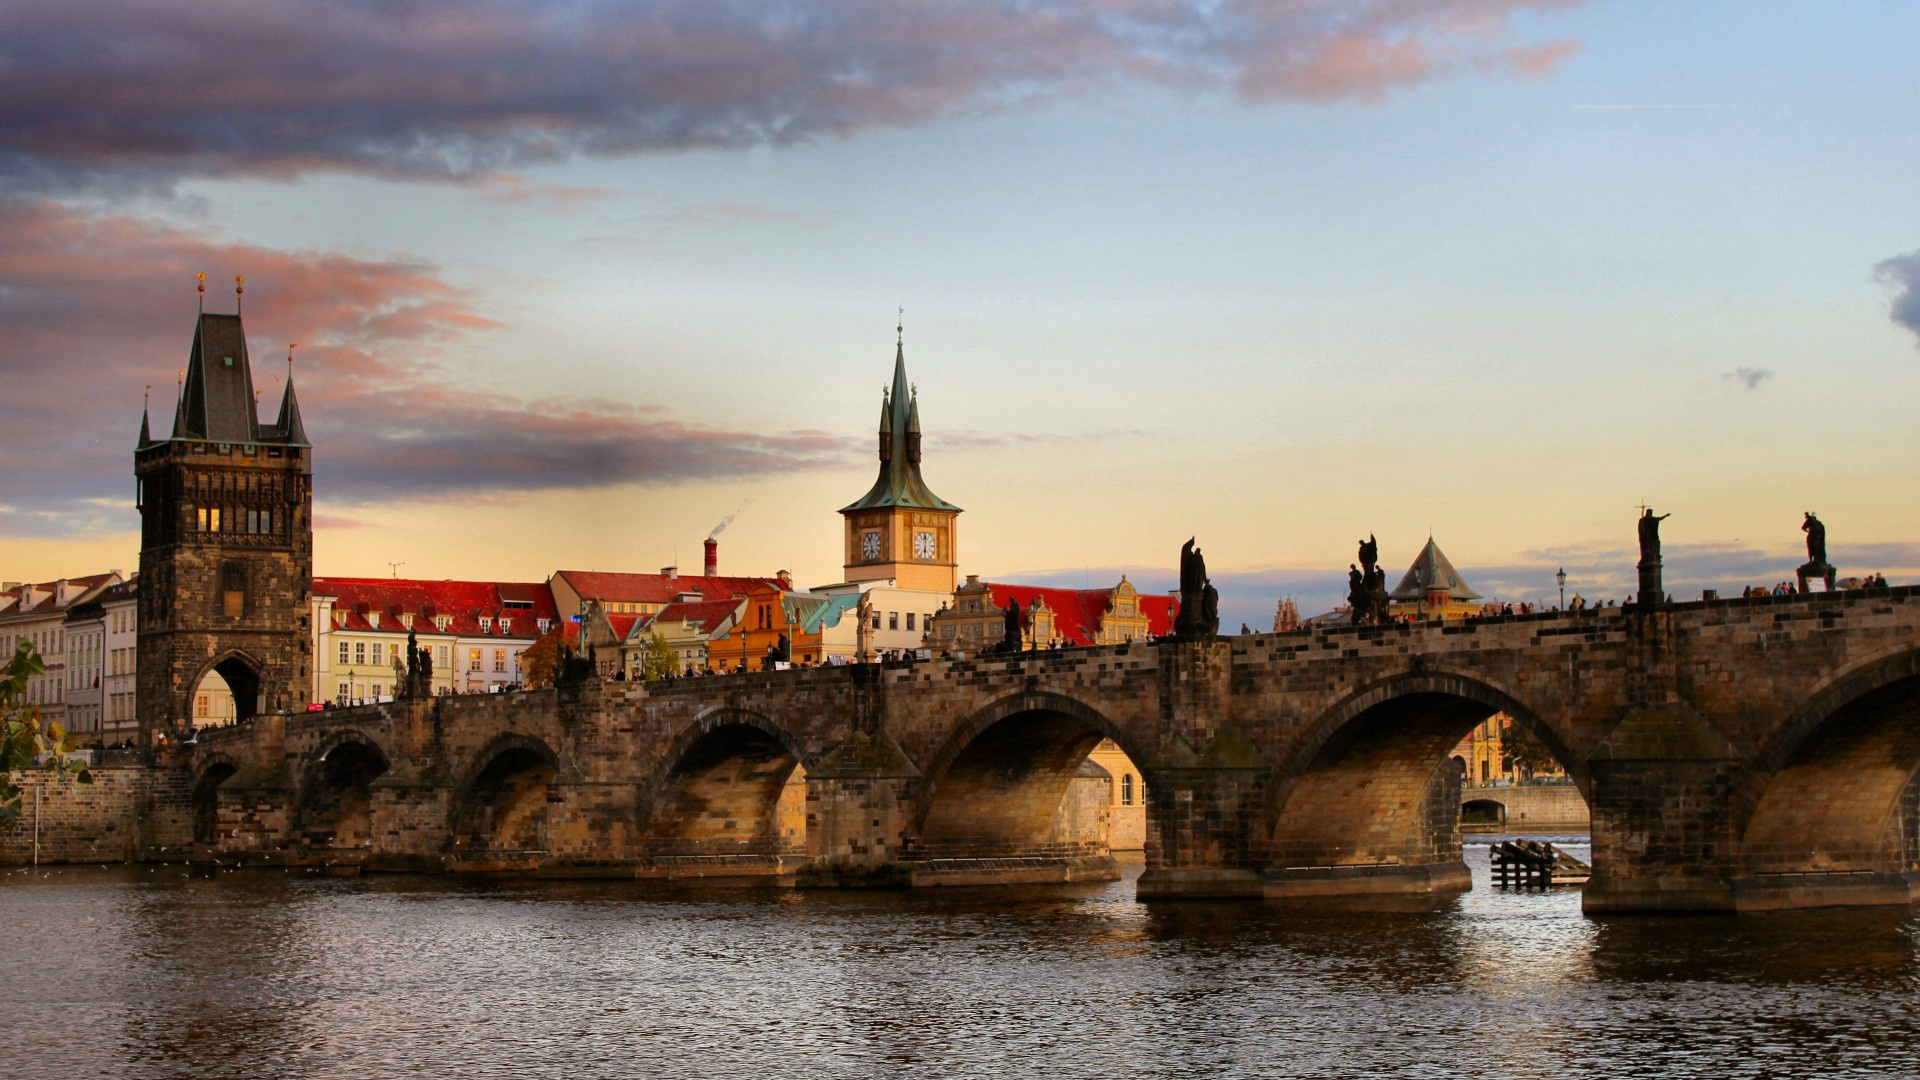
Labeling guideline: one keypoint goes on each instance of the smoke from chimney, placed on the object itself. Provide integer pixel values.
(726, 521)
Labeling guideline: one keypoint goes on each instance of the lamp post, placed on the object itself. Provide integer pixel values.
(1561, 577)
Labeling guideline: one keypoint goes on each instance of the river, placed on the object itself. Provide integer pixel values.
(157, 971)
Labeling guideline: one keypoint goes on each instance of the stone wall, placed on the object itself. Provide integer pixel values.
(1534, 807)
(125, 815)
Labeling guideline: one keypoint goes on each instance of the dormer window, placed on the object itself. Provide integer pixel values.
(406, 621)
(486, 625)
(440, 622)
(373, 619)
(544, 623)
(506, 626)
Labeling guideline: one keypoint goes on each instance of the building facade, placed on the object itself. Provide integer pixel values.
(39, 613)
(474, 633)
(975, 619)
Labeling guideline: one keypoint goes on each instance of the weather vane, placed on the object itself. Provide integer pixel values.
(900, 327)
(239, 284)
(291, 345)
(203, 294)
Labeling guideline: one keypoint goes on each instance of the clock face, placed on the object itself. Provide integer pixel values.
(924, 545)
(870, 545)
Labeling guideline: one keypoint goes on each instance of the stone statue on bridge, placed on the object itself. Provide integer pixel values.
(1199, 617)
(1817, 565)
(1652, 592)
(1010, 635)
(1367, 585)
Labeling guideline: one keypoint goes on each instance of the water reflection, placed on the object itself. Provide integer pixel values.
(158, 973)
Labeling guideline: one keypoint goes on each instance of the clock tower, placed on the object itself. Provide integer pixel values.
(900, 530)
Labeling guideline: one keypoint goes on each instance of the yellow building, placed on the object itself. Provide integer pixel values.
(1129, 798)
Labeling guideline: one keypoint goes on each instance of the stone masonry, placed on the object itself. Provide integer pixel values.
(1736, 754)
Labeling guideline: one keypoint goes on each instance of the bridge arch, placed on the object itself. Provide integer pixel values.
(1001, 784)
(500, 804)
(243, 674)
(1372, 780)
(1836, 786)
(731, 786)
(214, 769)
(335, 808)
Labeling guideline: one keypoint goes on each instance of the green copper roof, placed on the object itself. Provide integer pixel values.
(899, 483)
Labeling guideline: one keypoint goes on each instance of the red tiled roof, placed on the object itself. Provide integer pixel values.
(622, 623)
(465, 603)
(1077, 613)
(707, 615)
(80, 586)
(656, 588)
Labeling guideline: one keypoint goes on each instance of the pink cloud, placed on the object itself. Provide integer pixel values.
(94, 307)
(139, 93)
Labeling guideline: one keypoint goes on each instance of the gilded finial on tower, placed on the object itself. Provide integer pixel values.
(291, 345)
(900, 326)
(239, 286)
(203, 294)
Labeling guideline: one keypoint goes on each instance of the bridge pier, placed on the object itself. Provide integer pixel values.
(1661, 786)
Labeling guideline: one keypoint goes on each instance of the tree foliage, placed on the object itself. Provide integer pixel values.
(541, 659)
(1522, 751)
(23, 743)
(659, 659)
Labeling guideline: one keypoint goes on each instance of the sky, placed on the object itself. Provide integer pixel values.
(574, 283)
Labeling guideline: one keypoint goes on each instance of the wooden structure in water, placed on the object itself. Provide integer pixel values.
(1531, 864)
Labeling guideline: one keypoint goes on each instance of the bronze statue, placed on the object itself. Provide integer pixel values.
(1369, 555)
(1816, 540)
(1650, 534)
(1010, 634)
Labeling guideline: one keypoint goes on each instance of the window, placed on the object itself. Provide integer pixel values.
(346, 690)
(893, 620)
(876, 620)
(486, 625)
(909, 620)
(343, 652)
(359, 652)
(233, 590)
(473, 659)
(443, 656)
(499, 659)
(1126, 789)
(379, 689)
(376, 655)
(506, 626)
(544, 623)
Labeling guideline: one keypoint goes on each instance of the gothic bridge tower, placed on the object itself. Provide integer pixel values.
(226, 542)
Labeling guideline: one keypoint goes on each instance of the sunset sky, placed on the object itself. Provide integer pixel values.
(574, 283)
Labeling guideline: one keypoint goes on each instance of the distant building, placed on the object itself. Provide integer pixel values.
(1432, 589)
(1128, 811)
(474, 632)
(99, 683)
(975, 618)
(38, 613)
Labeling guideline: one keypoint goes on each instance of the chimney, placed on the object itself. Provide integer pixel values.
(785, 579)
(671, 573)
(713, 557)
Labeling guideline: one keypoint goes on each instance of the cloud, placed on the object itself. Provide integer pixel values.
(1903, 273)
(1750, 377)
(135, 94)
(93, 307)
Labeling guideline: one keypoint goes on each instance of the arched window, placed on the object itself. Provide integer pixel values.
(1126, 789)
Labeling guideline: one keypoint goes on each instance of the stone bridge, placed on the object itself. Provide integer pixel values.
(1736, 754)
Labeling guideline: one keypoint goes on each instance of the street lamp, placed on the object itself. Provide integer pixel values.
(1561, 577)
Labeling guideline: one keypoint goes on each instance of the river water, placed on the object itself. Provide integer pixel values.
(159, 972)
